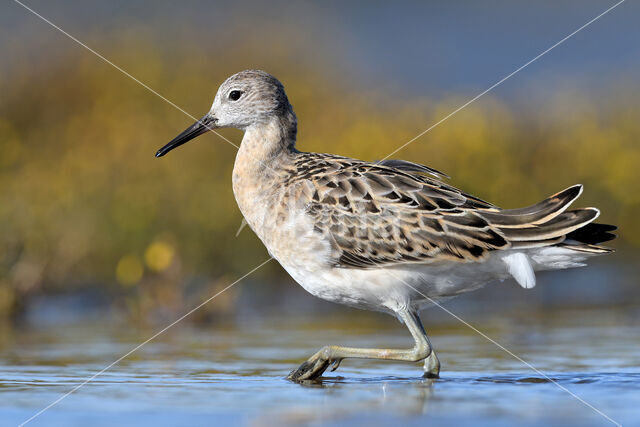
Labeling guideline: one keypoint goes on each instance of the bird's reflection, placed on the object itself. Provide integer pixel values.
(406, 395)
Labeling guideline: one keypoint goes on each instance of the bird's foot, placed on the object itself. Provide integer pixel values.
(431, 366)
(315, 366)
(431, 375)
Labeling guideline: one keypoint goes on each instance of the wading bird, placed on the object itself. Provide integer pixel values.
(390, 236)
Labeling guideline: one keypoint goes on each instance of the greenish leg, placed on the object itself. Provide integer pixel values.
(431, 363)
(333, 355)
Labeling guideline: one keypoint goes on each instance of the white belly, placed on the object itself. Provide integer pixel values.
(391, 289)
(306, 257)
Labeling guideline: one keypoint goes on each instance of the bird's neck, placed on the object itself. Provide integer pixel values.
(265, 157)
(268, 143)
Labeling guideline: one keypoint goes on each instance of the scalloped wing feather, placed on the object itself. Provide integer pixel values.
(392, 213)
(374, 214)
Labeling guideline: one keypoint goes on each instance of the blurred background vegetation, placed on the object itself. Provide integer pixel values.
(84, 205)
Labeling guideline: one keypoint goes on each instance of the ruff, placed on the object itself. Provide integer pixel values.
(389, 236)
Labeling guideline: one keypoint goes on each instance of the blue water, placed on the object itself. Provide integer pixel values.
(233, 373)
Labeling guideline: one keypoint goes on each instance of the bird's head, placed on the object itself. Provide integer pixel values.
(248, 98)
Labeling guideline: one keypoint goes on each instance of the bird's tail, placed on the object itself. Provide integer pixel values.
(548, 223)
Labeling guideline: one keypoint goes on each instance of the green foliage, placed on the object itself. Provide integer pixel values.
(84, 201)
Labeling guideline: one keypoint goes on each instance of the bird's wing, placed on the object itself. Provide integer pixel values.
(374, 214)
(377, 214)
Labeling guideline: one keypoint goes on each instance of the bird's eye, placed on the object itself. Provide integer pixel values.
(234, 95)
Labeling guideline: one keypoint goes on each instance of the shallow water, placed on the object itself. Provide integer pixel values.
(234, 373)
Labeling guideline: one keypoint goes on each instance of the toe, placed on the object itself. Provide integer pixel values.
(309, 370)
(335, 365)
(301, 372)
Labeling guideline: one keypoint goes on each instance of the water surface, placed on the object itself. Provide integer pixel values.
(234, 373)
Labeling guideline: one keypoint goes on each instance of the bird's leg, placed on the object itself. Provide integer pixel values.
(333, 355)
(431, 363)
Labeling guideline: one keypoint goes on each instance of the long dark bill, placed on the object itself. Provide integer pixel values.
(198, 128)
